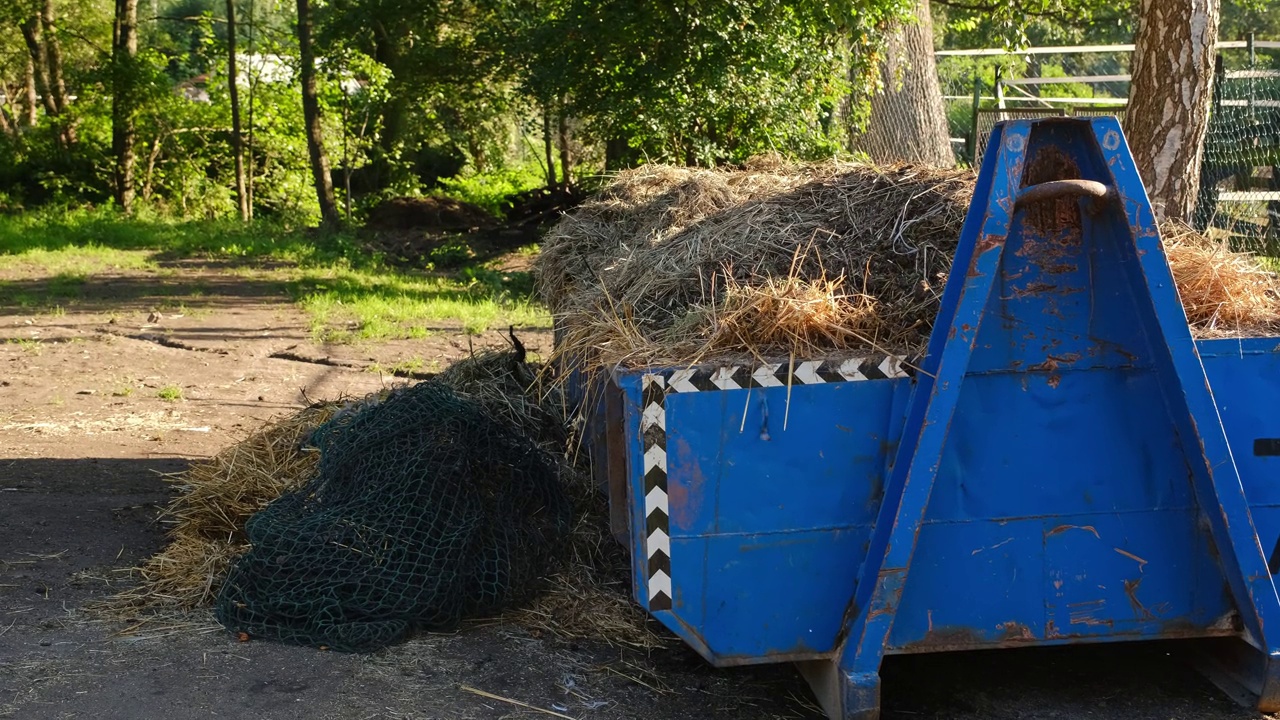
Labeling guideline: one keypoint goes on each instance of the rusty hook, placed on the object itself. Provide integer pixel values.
(1058, 188)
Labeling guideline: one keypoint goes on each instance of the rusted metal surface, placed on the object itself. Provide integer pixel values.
(1057, 189)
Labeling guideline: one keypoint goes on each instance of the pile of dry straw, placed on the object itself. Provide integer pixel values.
(588, 597)
(675, 265)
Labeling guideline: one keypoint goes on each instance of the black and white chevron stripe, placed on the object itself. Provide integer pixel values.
(653, 430)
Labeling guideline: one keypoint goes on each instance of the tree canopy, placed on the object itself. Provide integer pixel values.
(415, 94)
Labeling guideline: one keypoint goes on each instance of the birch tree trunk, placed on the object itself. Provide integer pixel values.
(32, 105)
(1169, 99)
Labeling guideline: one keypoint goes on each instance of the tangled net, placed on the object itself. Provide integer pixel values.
(424, 510)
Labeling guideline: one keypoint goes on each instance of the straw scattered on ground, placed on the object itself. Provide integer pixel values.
(206, 520)
(588, 597)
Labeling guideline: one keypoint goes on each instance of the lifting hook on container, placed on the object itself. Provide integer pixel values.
(1057, 188)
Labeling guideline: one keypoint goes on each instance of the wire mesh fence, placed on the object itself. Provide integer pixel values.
(1240, 173)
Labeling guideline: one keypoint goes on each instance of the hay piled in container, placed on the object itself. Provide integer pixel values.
(1224, 293)
(672, 264)
(678, 266)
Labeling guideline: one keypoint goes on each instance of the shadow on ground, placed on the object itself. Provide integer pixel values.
(69, 527)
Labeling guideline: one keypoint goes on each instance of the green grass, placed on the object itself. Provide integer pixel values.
(170, 393)
(31, 346)
(88, 241)
(348, 293)
(347, 306)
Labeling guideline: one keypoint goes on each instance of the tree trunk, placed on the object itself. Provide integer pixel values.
(233, 92)
(546, 147)
(57, 85)
(388, 51)
(1169, 98)
(39, 68)
(8, 122)
(908, 121)
(565, 160)
(33, 95)
(311, 116)
(124, 53)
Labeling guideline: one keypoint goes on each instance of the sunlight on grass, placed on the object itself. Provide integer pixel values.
(86, 260)
(347, 306)
(348, 293)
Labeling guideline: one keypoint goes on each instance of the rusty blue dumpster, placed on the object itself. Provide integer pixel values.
(1065, 463)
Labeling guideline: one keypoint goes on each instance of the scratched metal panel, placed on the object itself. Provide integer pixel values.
(955, 563)
(734, 474)
(771, 597)
(1098, 440)
(1062, 437)
(767, 523)
(1245, 377)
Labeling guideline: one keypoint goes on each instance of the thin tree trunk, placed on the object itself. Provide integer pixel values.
(1169, 98)
(565, 159)
(35, 49)
(311, 116)
(908, 122)
(156, 146)
(546, 147)
(53, 53)
(57, 85)
(124, 52)
(253, 86)
(389, 49)
(33, 96)
(8, 124)
(233, 91)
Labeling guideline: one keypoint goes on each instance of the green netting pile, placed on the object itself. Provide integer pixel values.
(426, 509)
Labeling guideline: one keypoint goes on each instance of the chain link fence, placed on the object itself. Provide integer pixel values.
(1240, 177)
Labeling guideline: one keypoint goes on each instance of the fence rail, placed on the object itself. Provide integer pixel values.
(1240, 176)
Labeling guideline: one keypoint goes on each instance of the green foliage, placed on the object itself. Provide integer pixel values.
(449, 255)
(699, 84)
(490, 189)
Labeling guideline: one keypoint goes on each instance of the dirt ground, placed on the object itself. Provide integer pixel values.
(85, 437)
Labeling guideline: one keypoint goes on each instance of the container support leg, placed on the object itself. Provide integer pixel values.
(929, 417)
(1218, 488)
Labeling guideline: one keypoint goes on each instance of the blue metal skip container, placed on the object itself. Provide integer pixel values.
(1065, 464)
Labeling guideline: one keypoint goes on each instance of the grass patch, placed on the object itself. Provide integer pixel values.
(349, 306)
(31, 346)
(170, 393)
(490, 189)
(348, 293)
(89, 241)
